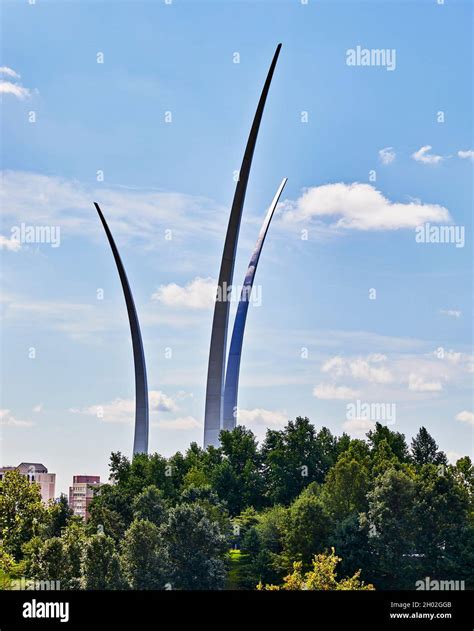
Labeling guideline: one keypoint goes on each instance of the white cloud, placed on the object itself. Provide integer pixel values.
(123, 410)
(465, 361)
(404, 375)
(466, 417)
(261, 417)
(329, 391)
(422, 155)
(199, 293)
(361, 207)
(8, 87)
(7, 419)
(132, 214)
(387, 155)
(469, 154)
(9, 243)
(358, 426)
(453, 313)
(359, 368)
(336, 366)
(418, 384)
(9, 72)
(38, 408)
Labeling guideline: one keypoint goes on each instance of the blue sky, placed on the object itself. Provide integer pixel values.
(317, 341)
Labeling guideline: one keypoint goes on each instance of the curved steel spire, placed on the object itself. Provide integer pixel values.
(140, 441)
(235, 352)
(216, 367)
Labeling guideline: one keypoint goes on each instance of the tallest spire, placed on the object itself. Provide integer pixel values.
(140, 441)
(216, 367)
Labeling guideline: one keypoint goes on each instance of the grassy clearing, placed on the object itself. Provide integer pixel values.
(237, 561)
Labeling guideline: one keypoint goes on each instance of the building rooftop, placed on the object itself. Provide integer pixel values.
(37, 465)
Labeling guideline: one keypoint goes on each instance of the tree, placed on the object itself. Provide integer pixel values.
(424, 449)
(395, 440)
(59, 513)
(49, 563)
(352, 542)
(196, 476)
(295, 457)
(391, 528)
(7, 562)
(251, 543)
(344, 491)
(307, 529)
(208, 499)
(149, 504)
(264, 544)
(22, 514)
(101, 568)
(237, 477)
(271, 527)
(441, 518)
(383, 458)
(463, 472)
(74, 537)
(57, 558)
(143, 559)
(105, 520)
(195, 548)
(322, 577)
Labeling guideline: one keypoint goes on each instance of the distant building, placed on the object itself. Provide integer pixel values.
(37, 473)
(81, 493)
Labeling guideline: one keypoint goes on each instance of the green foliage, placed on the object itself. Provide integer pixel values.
(196, 476)
(22, 513)
(424, 449)
(101, 567)
(143, 559)
(195, 547)
(352, 541)
(345, 490)
(149, 505)
(237, 478)
(251, 543)
(207, 498)
(56, 558)
(7, 563)
(395, 440)
(294, 457)
(322, 577)
(236, 573)
(440, 515)
(391, 525)
(398, 514)
(307, 529)
(60, 515)
(104, 519)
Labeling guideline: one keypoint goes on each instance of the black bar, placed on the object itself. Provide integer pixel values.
(242, 609)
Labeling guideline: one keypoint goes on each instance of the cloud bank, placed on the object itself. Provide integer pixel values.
(361, 207)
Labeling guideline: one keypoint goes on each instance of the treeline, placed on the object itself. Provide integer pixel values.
(393, 514)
